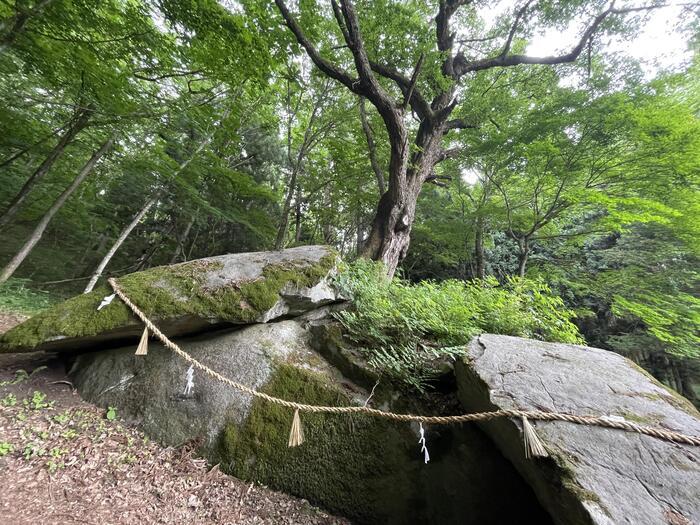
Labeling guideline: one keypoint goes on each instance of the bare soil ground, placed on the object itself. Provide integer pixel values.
(65, 461)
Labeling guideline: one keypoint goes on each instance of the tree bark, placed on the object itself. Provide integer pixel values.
(117, 244)
(390, 235)
(78, 124)
(523, 254)
(57, 205)
(137, 218)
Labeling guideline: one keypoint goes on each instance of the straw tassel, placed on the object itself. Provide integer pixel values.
(143, 344)
(296, 435)
(533, 445)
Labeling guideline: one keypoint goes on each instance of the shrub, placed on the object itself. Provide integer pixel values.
(404, 329)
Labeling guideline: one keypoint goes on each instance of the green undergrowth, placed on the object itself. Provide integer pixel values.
(163, 292)
(405, 329)
(350, 464)
(17, 296)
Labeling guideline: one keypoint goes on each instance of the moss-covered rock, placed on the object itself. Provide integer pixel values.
(186, 298)
(369, 469)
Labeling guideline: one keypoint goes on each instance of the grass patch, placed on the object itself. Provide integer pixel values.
(17, 296)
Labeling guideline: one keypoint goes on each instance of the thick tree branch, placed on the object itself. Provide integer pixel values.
(437, 180)
(458, 123)
(323, 64)
(445, 37)
(167, 75)
(450, 153)
(514, 28)
(417, 101)
(461, 66)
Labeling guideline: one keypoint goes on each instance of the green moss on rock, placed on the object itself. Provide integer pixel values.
(76, 317)
(167, 292)
(348, 463)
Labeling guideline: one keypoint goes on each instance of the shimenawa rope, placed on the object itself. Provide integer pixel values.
(534, 447)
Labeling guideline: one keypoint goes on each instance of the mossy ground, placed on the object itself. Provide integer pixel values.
(348, 463)
(163, 292)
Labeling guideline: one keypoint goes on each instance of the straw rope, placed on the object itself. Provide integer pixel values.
(666, 435)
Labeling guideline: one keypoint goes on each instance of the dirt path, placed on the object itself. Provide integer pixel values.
(63, 460)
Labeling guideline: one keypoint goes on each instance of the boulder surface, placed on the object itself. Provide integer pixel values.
(594, 474)
(369, 469)
(187, 298)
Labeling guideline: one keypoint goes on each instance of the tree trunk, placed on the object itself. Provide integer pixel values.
(523, 255)
(117, 244)
(180, 248)
(27, 149)
(297, 219)
(480, 269)
(77, 125)
(286, 208)
(390, 235)
(57, 205)
(137, 218)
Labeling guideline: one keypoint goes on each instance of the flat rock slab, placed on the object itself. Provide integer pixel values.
(594, 474)
(187, 298)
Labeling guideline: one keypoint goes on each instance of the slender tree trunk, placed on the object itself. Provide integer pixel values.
(77, 125)
(180, 249)
(27, 149)
(194, 243)
(117, 244)
(480, 267)
(523, 255)
(326, 227)
(16, 23)
(358, 232)
(286, 208)
(57, 205)
(137, 218)
(297, 219)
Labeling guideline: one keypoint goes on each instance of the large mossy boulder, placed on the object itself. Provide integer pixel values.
(187, 298)
(594, 475)
(366, 468)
